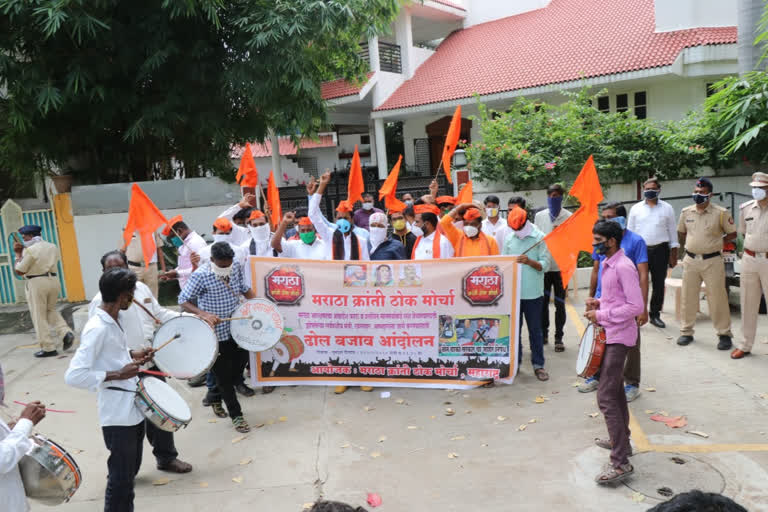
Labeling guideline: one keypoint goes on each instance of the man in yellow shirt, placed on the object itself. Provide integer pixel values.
(470, 240)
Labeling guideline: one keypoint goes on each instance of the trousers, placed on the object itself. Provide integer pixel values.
(753, 284)
(613, 402)
(148, 276)
(530, 311)
(632, 365)
(229, 362)
(42, 296)
(712, 272)
(658, 263)
(553, 283)
(125, 445)
(163, 445)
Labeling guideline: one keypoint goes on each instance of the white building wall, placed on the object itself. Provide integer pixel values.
(481, 11)
(684, 14)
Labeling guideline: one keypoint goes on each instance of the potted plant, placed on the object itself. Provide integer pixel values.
(62, 182)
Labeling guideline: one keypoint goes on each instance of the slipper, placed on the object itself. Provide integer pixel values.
(541, 374)
(611, 475)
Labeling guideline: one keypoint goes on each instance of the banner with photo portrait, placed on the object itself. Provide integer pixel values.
(427, 323)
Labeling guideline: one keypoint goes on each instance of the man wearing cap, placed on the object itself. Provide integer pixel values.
(240, 214)
(445, 203)
(147, 275)
(259, 235)
(362, 216)
(753, 282)
(188, 243)
(702, 229)
(341, 241)
(307, 247)
(379, 246)
(431, 245)
(400, 230)
(37, 261)
(223, 231)
(469, 241)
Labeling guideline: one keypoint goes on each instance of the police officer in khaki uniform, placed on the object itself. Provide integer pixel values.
(36, 260)
(703, 227)
(753, 225)
(147, 275)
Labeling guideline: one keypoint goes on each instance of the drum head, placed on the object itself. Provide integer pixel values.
(190, 355)
(263, 327)
(281, 353)
(585, 349)
(167, 399)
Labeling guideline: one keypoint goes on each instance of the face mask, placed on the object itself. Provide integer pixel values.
(409, 202)
(555, 204)
(398, 224)
(32, 241)
(259, 233)
(221, 237)
(308, 237)
(700, 198)
(759, 193)
(344, 226)
(470, 231)
(221, 271)
(416, 230)
(524, 231)
(600, 248)
(176, 241)
(446, 211)
(621, 221)
(492, 212)
(367, 206)
(378, 235)
(651, 194)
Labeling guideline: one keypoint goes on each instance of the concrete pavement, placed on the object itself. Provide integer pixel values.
(501, 449)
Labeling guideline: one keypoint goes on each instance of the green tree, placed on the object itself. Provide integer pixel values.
(114, 90)
(536, 143)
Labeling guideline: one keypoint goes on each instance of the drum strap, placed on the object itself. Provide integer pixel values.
(115, 388)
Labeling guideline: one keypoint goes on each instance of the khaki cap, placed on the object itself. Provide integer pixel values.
(759, 179)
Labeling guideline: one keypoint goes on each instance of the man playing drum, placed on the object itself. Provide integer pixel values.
(140, 326)
(621, 302)
(102, 363)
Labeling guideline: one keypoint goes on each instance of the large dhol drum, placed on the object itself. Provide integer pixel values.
(289, 347)
(258, 325)
(162, 405)
(591, 351)
(192, 354)
(50, 475)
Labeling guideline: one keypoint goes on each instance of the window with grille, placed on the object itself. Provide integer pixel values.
(604, 104)
(422, 157)
(641, 105)
(309, 165)
(622, 102)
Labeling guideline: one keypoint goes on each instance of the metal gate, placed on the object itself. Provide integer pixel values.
(11, 219)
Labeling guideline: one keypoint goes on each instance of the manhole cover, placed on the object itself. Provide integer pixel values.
(663, 475)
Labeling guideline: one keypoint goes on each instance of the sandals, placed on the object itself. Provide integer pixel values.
(559, 347)
(218, 409)
(606, 443)
(541, 374)
(611, 475)
(241, 425)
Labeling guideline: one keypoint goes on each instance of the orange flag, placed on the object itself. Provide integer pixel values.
(451, 140)
(355, 186)
(575, 234)
(465, 194)
(247, 174)
(273, 201)
(388, 190)
(144, 217)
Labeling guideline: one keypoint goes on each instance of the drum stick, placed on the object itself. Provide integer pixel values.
(47, 410)
(176, 336)
(236, 318)
(147, 311)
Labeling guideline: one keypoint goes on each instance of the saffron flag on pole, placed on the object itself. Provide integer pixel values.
(247, 174)
(465, 194)
(575, 234)
(273, 201)
(388, 190)
(144, 217)
(355, 186)
(451, 140)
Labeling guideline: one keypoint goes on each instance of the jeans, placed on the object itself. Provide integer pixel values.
(225, 370)
(125, 446)
(613, 402)
(554, 280)
(658, 263)
(530, 311)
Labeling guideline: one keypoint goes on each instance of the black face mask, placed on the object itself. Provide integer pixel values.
(600, 248)
(651, 194)
(700, 198)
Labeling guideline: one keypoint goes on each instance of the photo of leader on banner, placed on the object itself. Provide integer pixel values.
(463, 335)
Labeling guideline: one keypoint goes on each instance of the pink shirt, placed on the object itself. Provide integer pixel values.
(193, 243)
(621, 301)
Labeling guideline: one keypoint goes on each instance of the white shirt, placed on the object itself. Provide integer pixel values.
(192, 243)
(104, 348)
(491, 229)
(423, 251)
(326, 232)
(655, 224)
(240, 235)
(241, 255)
(14, 444)
(299, 250)
(544, 222)
(139, 326)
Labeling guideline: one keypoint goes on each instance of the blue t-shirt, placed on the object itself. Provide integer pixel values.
(634, 248)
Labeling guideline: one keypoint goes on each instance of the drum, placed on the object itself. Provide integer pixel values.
(162, 405)
(259, 325)
(192, 354)
(289, 347)
(50, 475)
(591, 351)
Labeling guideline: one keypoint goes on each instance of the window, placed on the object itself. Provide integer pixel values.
(309, 165)
(622, 102)
(365, 139)
(604, 104)
(641, 105)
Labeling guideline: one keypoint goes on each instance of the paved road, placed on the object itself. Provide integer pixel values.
(314, 443)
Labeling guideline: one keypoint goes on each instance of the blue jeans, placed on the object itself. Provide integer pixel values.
(530, 311)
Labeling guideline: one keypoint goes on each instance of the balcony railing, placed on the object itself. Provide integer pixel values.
(390, 58)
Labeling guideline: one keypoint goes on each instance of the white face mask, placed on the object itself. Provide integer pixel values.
(259, 233)
(492, 212)
(759, 193)
(221, 271)
(524, 231)
(416, 230)
(221, 237)
(367, 206)
(470, 231)
(378, 235)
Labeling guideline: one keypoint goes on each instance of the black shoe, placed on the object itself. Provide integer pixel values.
(724, 343)
(196, 382)
(207, 400)
(267, 390)
(657, 321)
(684, 340)
(244, 390)
(69, 338)
(43, 353)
